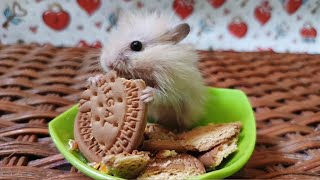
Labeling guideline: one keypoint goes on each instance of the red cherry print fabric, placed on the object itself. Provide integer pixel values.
(236, 25)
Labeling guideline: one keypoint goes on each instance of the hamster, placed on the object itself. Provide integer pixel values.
(146, 46)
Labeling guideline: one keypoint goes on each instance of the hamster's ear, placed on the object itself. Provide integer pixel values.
(177, 34)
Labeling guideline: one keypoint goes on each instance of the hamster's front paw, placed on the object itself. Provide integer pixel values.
(94, 79)
(147, 94)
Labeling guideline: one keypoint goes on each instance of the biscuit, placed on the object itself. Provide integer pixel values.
(111, 117)
(181, 166)
(166, 144)
(126, 165)
(157, 132)
(204, 138)
(214, 157)
(199, 139)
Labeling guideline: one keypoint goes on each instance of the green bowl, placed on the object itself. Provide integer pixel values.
(223, 105)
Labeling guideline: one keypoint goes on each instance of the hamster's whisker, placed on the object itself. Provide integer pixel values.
(132, 74)
(95, 69)
(125, 71)
(140, 75)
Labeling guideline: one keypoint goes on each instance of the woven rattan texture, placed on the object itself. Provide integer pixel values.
(39, 82)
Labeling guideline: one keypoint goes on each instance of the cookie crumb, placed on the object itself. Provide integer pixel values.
(103, 168)
(166, 153)
(94, 165)
(73, 145)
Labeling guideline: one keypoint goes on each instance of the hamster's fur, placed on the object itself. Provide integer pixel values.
(168, 66)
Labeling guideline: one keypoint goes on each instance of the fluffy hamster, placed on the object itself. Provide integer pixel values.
(146, 46)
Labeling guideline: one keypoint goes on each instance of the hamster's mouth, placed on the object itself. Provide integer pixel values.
(150, 83)
(146, 78)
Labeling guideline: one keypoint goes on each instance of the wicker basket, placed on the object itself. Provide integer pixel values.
(39, 82)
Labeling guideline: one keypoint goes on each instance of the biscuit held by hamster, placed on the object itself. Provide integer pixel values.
(147, 46)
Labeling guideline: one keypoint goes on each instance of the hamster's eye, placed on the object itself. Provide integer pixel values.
(136, 46)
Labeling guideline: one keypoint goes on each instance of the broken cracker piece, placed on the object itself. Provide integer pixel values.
(199, 139)
(165, 144)
(158, 132)
(179, 167)
(126, 165)
(204, 138)
(214, 157)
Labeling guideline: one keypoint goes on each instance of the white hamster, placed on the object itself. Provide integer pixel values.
(146, 46)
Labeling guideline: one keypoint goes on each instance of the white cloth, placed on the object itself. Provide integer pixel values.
(278, 25)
